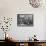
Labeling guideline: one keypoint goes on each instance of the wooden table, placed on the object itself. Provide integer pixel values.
(28, 43)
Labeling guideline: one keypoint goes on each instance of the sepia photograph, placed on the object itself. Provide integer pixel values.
(24, 19)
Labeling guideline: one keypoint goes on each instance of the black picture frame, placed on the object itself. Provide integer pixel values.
(24, 19)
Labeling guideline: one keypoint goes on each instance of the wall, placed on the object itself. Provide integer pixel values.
(10, 8)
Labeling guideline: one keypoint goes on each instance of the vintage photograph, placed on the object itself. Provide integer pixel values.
(24, 19)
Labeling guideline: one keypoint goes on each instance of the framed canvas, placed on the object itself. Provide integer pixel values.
(24, 19)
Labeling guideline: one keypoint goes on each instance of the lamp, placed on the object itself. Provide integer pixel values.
(36, 3)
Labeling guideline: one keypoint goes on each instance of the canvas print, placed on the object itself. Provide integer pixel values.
(24, 19)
